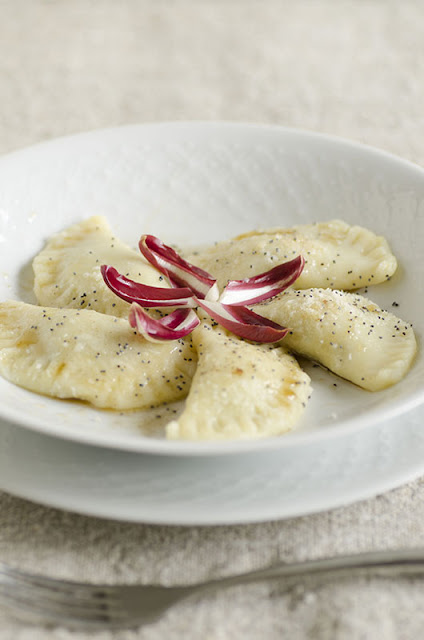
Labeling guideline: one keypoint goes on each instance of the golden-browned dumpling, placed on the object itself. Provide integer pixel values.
(240, 390)
(337, 255)
(345, 332)
(90, 356)
(67, 270)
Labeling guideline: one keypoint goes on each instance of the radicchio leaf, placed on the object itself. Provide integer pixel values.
(194, 287)
(263, 286)
(244, 322)
(144, 294)
(175, 325)
(179, 272)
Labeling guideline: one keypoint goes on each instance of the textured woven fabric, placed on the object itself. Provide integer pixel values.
(353, 69)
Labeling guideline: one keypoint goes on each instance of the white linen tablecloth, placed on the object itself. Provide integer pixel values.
(349, 68)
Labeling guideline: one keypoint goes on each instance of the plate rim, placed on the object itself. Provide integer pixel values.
(135, 511)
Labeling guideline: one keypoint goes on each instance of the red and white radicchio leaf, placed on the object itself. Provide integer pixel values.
(244, 322)
(180, 272)
(175, 325)
(144, 294)
(263, 286)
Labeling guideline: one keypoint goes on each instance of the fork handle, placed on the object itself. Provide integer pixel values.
(381, 563)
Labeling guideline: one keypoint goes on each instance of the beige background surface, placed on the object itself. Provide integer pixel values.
(354, 69)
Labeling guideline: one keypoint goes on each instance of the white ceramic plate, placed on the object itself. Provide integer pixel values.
(191, 184)
(188, 490)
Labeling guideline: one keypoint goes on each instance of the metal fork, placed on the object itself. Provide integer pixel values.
(100, 606)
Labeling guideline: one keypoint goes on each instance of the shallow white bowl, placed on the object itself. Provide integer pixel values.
(192, 184)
